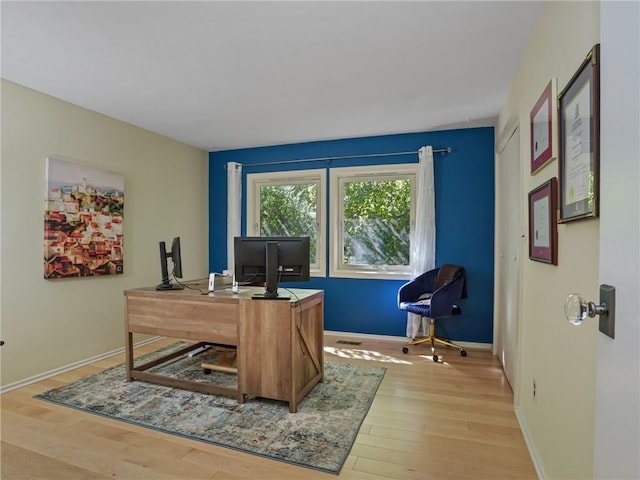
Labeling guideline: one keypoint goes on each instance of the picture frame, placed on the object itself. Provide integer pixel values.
(543, 225)
(83, 220)
(579, 135)
(543, 119)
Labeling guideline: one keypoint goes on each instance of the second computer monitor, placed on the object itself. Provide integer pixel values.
(271, 260)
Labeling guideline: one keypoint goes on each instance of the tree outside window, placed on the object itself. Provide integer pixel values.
(377, 222)
(290, 211)
(290, 204)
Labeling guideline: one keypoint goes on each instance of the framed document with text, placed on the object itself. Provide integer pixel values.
(542, 122)
(543, 225)
(579, 122)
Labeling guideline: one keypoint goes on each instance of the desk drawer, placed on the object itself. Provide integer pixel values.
(196, 320)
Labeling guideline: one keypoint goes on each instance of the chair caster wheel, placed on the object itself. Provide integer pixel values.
(435, 358)
(206, 371)
(405, 349)
(463, 353)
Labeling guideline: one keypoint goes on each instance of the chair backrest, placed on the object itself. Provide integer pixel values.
(449, 273)
(446, 275)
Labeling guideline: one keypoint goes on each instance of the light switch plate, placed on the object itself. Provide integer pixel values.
(607, 323)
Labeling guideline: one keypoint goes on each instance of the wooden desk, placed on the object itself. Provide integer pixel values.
(279, 343)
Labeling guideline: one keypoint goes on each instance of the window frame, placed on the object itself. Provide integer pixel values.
(318, 176)
(337, 178)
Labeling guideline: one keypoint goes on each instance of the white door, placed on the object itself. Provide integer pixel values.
(617, 415)
(508, 242)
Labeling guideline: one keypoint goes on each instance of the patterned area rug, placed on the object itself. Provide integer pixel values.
(319, 435)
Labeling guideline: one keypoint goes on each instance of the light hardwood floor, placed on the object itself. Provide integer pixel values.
(448, 420)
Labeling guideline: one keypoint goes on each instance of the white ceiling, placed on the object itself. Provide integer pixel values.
(224, 75)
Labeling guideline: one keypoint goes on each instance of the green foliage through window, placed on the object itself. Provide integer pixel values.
(289, 210)
(377, 222)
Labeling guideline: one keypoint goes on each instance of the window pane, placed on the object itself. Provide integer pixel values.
(289, 211)
(377, 221)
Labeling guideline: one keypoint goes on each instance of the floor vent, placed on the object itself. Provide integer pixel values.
(347, 342)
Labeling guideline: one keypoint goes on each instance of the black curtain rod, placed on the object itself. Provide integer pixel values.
(444, 151)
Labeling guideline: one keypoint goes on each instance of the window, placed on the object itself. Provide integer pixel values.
(290, 204)
(372, 218)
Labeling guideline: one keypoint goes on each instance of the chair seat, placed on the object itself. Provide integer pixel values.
(416, 307)
(424, 310)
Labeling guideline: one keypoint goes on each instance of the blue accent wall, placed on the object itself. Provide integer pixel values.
(464, 185)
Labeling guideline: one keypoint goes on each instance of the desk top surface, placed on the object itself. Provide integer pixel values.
(197, 289)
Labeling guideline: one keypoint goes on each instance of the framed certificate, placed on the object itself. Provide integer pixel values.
(543, 225)
(542, 128)
(579, 121)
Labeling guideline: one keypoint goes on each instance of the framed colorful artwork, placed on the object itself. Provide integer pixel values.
(83, 221)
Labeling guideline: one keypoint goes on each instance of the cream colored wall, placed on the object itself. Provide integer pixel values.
(47, 324)
(560, 357)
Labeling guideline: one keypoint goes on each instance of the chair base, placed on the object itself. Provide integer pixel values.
(432, 339)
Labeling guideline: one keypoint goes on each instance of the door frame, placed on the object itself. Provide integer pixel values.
(511, 129)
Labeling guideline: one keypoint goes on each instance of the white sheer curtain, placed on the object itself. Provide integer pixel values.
(234, 207)
(423, 243)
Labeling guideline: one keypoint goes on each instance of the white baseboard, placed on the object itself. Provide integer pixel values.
(476, 345)
(71, 366)
(530, 445)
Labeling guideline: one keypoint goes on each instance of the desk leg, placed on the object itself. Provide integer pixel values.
(128, 345)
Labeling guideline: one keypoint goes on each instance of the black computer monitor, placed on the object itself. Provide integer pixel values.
(177, 265)
(271, 260)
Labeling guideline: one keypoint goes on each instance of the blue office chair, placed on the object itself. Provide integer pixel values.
(433, 295)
